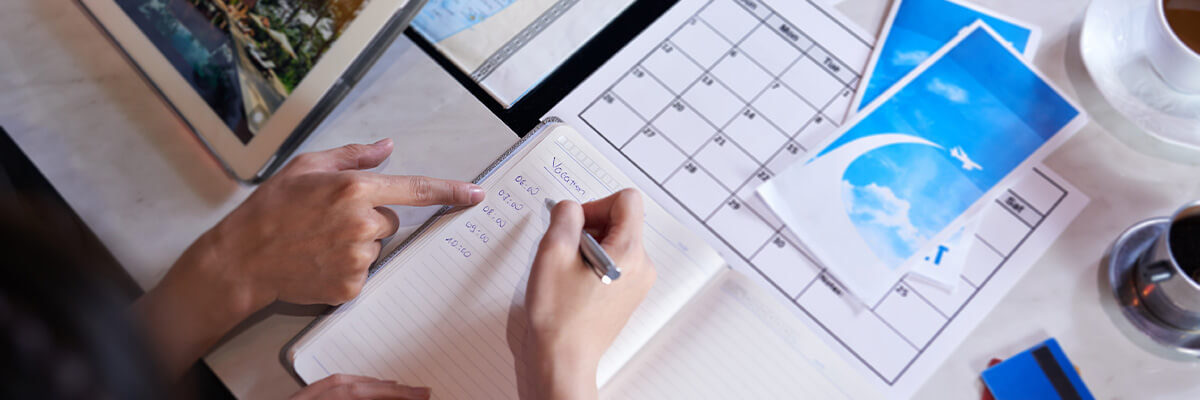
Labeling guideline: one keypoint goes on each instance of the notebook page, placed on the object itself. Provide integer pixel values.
(446, 312)
(733, 341)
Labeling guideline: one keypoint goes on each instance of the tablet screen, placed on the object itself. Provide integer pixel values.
(243, 57)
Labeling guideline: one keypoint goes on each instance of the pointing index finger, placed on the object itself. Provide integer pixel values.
(423, 191)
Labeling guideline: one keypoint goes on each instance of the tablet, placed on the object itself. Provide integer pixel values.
(252, 78)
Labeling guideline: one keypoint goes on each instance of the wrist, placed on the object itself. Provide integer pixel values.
(210, 272)
(565, 372)
(196, 304)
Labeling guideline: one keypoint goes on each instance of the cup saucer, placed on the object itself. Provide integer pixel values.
(1111, 45)
(1122, 260)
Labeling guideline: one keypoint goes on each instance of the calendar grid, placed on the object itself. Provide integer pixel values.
(920, 349)
(723, 102)
(1062, 196)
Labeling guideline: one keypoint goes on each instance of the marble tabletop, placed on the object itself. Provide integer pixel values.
(147, 187)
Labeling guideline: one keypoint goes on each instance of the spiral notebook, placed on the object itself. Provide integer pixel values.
(445, 309)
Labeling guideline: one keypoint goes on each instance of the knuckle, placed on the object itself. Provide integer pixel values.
(338, 379)
(421, 189)
(551, 241)
(346, 391)
(354, 187)
(346, 292)
(363, 228)
(360, 259)
(353, 150)
(356, 391)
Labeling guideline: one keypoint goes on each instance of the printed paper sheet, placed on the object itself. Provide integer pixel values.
(699, 126)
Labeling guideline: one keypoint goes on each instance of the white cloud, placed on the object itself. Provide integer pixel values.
(874, 204)
(948, 90)
(910, 58)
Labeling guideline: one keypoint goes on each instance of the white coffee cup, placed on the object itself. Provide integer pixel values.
(1175, 62)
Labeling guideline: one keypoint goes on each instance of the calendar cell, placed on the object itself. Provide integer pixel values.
(791, 153)
(729, 19)
(839, 108)
(612, 118)
(812, 82)
(700, 42)
(753, 232)
(756, 8)
(726, 162)
(697, 190)
(769, 50)
(1020, 208)
(742, 75)
(831, 64)
(1039, 192)
(654, 154)
(1005, 230)
(786, 266)
(981, 261)
(672, 67)
(861, 330)
(748, 197)
(754, 134)
(815, 133)
(946, 301)
(909, 314)
(784, 108)
(713, 100)
(788, 32)
(643, 93)
(684, 127)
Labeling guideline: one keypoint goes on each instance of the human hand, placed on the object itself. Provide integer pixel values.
(307, 235)
(351, 387)
(574, 318)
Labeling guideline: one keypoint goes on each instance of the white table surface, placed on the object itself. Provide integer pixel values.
(147, 188)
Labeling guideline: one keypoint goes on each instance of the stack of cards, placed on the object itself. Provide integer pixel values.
(914, 30)
(949, 108)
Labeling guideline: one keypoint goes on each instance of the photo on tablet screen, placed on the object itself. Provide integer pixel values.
(244, 57)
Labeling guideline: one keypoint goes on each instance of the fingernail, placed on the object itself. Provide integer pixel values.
(383, 142)
(476, 194)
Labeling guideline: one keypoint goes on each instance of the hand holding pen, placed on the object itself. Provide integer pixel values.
(594, 255)
(573, 316)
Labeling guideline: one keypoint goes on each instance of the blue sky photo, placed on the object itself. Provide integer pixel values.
(440, 19)
(980, 100)
(921, 28)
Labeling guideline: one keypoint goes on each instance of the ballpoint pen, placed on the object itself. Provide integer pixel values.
(594, 255)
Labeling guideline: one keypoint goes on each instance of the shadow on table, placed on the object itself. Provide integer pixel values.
(23, 188)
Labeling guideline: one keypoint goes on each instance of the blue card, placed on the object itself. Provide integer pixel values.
(920, 160)
(1042, 372)
(917, 28)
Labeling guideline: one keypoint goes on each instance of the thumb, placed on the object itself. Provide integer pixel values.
(351, 156)
(566, 226)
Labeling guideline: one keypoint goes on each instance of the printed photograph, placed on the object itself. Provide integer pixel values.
(919, 29)
(244, 57)
(924, 156)
(441, 19)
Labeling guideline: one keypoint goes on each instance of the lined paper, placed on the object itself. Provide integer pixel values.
(735, 342)
(447, 313)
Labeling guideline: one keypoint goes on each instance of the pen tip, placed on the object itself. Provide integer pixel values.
(550, 203)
